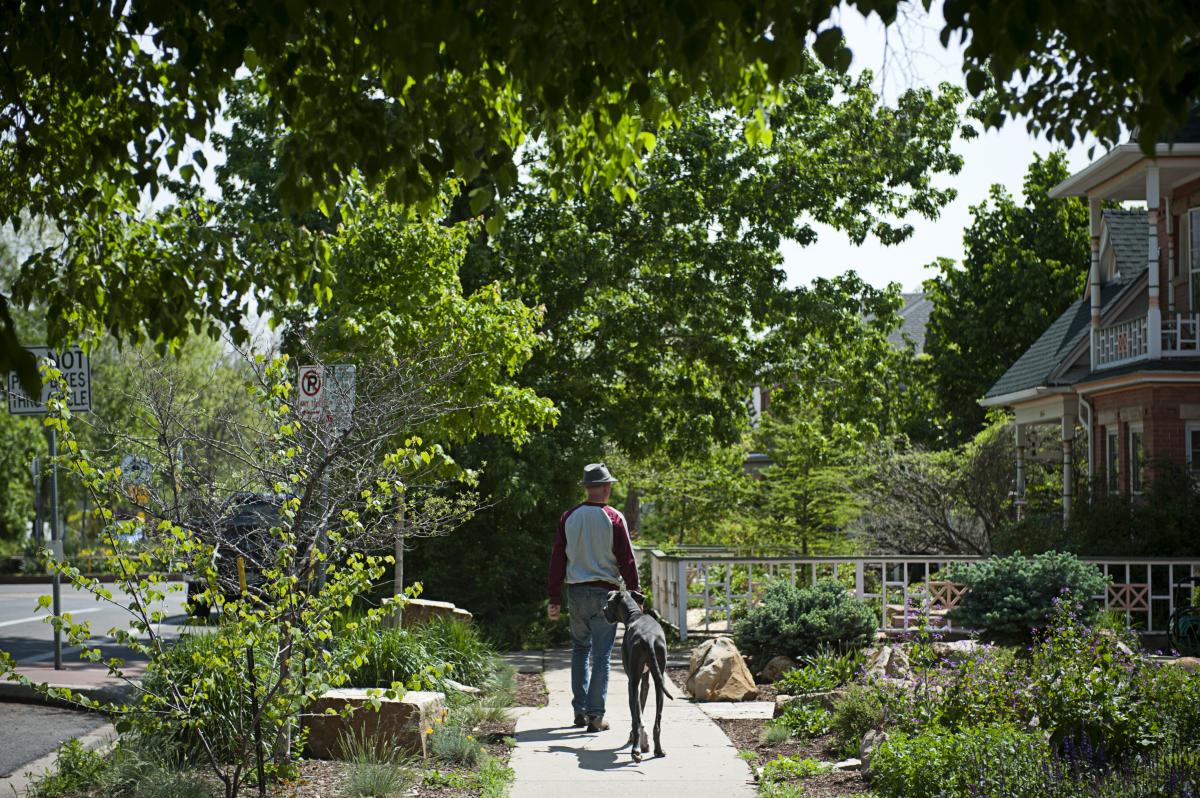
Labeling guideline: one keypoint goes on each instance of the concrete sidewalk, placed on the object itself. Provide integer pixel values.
(554, 760)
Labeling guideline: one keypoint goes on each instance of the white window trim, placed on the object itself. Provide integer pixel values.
(1137, 429)
(1188, 429)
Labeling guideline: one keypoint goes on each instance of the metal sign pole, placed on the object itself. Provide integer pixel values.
(56, 543)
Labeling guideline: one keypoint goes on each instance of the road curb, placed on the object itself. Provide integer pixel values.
(17, 785)
(26, 694)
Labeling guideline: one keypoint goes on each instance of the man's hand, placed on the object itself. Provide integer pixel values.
(553, 611)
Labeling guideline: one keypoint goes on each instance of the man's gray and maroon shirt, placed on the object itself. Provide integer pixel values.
(591, 547)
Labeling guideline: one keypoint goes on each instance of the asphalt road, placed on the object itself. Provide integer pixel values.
(25, 634)
(30, 732)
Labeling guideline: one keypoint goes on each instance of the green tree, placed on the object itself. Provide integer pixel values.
(98, 100)
(661, 313)
(1024, 265)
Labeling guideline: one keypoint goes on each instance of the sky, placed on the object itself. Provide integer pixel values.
(915, 57)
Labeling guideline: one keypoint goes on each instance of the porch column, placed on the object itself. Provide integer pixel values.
(1019, 498)
(1170, 257)
(1068, 464)
(1094, 216)
(1154, 316)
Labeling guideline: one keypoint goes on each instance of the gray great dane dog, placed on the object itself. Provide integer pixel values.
(644, 655)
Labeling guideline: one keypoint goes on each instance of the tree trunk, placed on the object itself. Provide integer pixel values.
(398, 574)
(633, 511)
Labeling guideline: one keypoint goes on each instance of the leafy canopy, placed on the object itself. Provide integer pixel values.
(1024, 266)
(104, 105)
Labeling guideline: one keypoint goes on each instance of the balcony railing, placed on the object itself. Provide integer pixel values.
(1122, 343)
(1129, 341)
(1181, 335)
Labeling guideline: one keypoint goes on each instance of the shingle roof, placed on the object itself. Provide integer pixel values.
(1189, 133)
(1130, 238)
(1034, 367)
(914, 318)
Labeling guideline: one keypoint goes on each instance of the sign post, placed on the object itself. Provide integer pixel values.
(326, 397)
(77, 373)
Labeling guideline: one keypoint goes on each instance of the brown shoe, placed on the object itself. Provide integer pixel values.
(597, 723)
(580, 720)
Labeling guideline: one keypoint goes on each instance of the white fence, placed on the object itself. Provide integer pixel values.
(1181, 335)
(699, 590)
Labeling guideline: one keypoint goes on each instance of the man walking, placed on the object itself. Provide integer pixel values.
(591, 553)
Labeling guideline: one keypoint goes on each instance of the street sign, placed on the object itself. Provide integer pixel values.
(326, 394)
(340, 395)
(77, 373)
(310, 386)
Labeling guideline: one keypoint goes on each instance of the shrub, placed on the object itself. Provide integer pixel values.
(1171, 697)
(855, 713)
(800, 621)
(824, 671)
(775, 733)
(787, 768)
(989, 688)
(935, 762)
(454, 745)
(423, 655)
(1008, 597)
(375, 768)
(210, 668)
(76, 770)
(460, 645)
(1085, 687)
(805, 720)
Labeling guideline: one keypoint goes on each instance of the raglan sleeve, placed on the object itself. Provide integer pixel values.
(623, 551)
(558, 562)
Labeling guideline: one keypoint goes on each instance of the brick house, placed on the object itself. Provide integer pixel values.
(1119, 371)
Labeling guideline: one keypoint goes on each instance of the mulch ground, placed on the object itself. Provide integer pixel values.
(746, 735)
(531, 690)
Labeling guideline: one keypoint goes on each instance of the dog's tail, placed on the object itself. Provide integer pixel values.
(660, 681)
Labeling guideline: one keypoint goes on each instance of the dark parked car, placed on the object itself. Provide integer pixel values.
(244, 530)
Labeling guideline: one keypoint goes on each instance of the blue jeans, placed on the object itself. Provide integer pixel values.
(591, 636)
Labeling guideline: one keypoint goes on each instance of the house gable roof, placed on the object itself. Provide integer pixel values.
(1129, 237)
(1042, 362)
(914, 319)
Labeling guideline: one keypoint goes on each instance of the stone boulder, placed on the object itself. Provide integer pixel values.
(717, 672)
(419, 611)
(888, 662)
(777, 667)
(870, 742)
(1189, 664)
(958, 650)
(403, 720)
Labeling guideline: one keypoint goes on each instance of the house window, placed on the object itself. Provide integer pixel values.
(1193, 448)
(1112, 458)
(1137, 458)
(1193, 238)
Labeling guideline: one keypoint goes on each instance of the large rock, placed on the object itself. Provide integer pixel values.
(1189, 664)
(888, 662)
(717, 672)
(870, 742)
(403, 720)
(777, 667)
(419, 611)
(958, 650)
